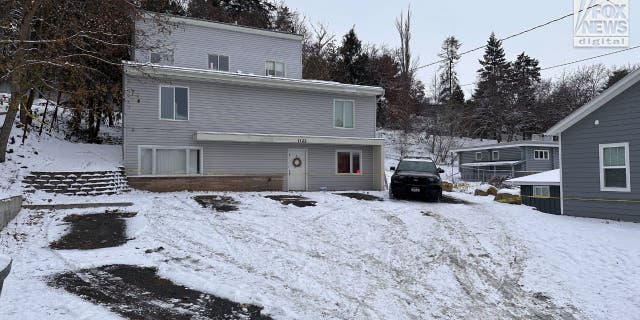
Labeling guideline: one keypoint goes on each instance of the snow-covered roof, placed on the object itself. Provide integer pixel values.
(606, 96)
(547, 178)
(510, 145)
(137, 68)
(493, 163)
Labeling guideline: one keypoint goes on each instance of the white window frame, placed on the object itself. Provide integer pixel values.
(284, 68)
(174, 103)
(351, 152)
(478, 156)
(353, 113)
(154, 148)
(164, 51)
(541, 191)
(627, 166)
(495, 155)
(545, 155)
(217, 54)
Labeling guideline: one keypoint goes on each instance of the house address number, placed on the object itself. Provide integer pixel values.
(302, 140)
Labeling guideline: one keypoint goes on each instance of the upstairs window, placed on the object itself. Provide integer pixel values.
(343, 114)
(495, 155)
(614, 167)
(478, 156)
(174, 103)
(541, 154)
(348, 162)
(218, 62)
(274, 68)
(163, 57)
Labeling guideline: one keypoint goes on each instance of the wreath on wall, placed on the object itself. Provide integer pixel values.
(297, 162)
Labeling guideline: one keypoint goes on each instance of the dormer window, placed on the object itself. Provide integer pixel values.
(218, 62)
(163, 57)
(274, 69)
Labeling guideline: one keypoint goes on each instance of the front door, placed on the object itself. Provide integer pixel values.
(297, 169)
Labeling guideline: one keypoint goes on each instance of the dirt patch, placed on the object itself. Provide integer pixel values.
(452, 200)
(138, 293)
(94, 231)
(296, 200)
(218, 203)
(360, 196)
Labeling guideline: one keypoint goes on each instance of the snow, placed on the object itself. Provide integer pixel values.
(551, 177)
(348, 259)
(515, 192)
(484, 187)
(4, 261)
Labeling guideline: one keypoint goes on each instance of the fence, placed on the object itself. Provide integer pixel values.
(486, 175)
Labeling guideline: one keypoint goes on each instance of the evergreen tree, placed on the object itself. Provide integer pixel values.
(491, 96)
(450, 90)
(163, 6)
(616, 75)
(353, 61)
(525, 76)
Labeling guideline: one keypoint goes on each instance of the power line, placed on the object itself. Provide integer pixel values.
(572, 62)
(514, 35)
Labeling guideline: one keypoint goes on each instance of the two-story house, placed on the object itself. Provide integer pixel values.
(511, 159)
(224, 107)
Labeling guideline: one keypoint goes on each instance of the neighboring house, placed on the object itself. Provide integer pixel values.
(512, 159)
(224, 107)
(541, 190)
(600, 154)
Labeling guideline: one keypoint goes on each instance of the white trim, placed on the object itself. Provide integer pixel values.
(145, 69)
(542, 152)
(351, 152)
(153, 160)
(545, 188)
(627, 167)
(560, 168)
(174, 103)
(479, 158)
(515, 145)
(277, 138)
(620, 86)
(225, 26)
(493, 155)
(353, 114)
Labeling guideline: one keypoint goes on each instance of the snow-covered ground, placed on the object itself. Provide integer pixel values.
(348, 259)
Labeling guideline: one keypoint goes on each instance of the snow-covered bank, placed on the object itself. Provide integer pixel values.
(347, 258)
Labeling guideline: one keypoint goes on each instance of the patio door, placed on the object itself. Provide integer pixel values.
(297, 169)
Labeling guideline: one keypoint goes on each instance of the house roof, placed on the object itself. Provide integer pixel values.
(491, 164)
(547, 178)
(222, 25)
(510, 145)
(593, 105)
(136, 68)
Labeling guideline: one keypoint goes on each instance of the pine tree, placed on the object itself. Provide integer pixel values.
(450, 90)
(492, 93)
(353, 61)
(525, 76)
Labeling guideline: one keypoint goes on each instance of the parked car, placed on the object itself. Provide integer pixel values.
(416, 177)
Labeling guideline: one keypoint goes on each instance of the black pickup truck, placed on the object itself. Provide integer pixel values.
(416, 177)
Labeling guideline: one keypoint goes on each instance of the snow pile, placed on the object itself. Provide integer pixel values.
(484, 187)
(551, 177)
(515, 192)
(4, 261)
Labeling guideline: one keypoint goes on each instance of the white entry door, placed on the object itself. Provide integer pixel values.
(297, 169)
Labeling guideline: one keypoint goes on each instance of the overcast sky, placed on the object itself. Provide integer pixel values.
(471, 22)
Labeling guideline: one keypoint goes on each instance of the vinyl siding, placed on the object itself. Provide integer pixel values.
(247, 52)
(220, 107)
(534, 165)
(619, 122)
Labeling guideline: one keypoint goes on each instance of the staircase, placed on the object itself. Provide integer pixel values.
(77, 183)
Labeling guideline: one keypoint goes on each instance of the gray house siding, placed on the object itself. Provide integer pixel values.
(536, 166)
(218, 107)
(547, 205)
(247, 52)
(619, 121)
